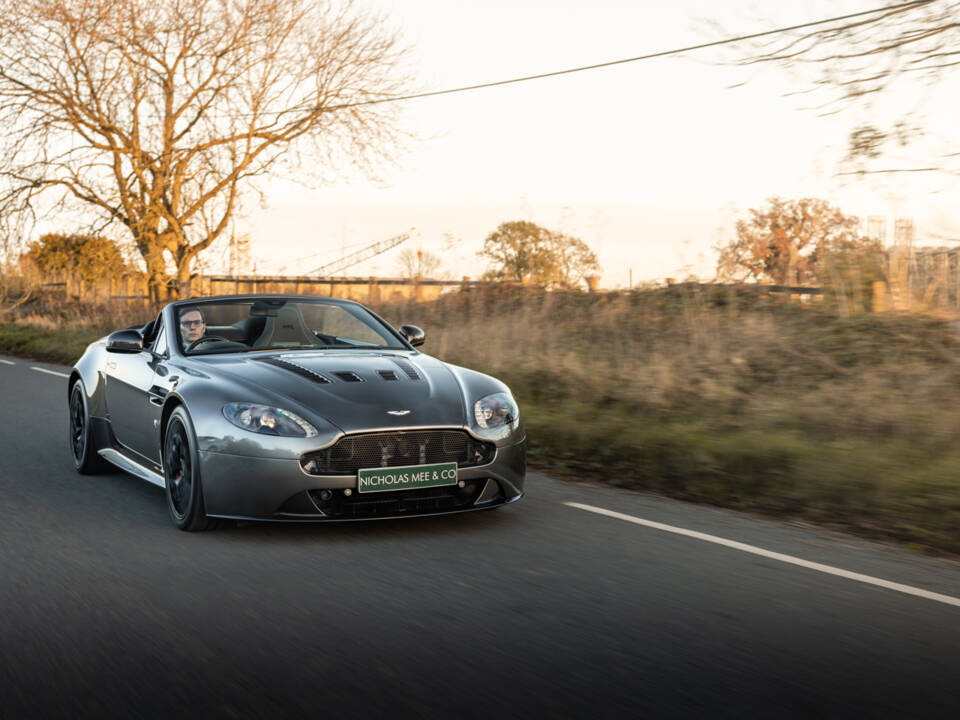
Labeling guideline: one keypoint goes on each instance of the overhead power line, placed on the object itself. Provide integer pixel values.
(638, 58)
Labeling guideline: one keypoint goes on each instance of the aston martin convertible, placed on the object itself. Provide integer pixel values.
(292, 408)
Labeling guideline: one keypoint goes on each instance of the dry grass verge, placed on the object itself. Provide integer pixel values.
(729, 397)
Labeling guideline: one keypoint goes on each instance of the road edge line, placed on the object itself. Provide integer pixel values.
(49, 372)
(789, 559)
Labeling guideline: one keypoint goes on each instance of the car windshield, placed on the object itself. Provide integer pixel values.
(277, 323)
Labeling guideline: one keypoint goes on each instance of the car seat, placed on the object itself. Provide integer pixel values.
(287, 327)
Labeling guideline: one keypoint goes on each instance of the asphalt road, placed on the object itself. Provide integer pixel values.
(541, 608)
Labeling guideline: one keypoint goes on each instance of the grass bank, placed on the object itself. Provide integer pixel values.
(56, 345)
(729, 397)
(58, 332)
(706, 394)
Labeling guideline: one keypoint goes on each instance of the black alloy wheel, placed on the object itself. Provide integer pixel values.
(181, 474)
(86, 461)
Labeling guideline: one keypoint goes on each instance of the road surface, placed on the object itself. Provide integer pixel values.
(545, 608)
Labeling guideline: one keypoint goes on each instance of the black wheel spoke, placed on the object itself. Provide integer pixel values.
(177, 470)
(77, 424)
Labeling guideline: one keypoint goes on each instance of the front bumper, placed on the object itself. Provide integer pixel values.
(239, 486)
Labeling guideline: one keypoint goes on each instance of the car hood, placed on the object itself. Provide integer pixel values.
(353, 391)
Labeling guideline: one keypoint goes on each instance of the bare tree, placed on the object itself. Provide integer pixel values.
(852, 62)
(418, 263)
(157, 117)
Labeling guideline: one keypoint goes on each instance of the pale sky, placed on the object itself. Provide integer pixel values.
(649, 162)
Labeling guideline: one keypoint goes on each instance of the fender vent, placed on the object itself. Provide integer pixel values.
(348, 376)
(407, 368)
(298, 369)
(387, 374)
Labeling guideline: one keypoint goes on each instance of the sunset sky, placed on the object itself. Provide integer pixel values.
(649, 163)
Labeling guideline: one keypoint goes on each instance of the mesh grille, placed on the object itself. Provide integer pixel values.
(396, 449)
(403, 502)
(294, 367)
(407, 368)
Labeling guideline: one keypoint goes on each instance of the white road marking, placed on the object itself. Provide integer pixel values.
(49, 372)
(743, 547)
(7, 362)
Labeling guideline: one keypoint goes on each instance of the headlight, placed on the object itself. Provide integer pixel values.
(268, 420)
(495, 410)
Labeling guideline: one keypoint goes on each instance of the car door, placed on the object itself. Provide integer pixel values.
(133, 400)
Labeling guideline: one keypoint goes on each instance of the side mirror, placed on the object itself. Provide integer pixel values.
(125, 341)
(413, 335)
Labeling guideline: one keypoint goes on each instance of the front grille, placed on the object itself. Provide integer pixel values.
(402, 502)
(397, 449)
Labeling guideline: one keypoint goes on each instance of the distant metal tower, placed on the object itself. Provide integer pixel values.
(904, 233)
(364, 253)
(877, 229)
(240, 260)
(902, 274)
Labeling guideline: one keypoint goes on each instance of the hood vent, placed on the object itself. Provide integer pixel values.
(387, 374)
(348, 376)
(407, 368)
(298, 369)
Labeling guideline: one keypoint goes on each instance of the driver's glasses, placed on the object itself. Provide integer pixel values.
(191, 323)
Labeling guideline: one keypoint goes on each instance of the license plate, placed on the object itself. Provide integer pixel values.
(406, 478)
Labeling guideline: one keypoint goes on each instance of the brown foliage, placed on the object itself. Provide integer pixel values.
(89, 257)
(787, 242)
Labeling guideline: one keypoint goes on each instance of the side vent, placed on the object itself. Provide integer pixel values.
(387, 374)
(409, 369)
(348, 376)
(298, 369)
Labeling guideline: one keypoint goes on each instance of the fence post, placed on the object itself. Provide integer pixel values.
(880, 299)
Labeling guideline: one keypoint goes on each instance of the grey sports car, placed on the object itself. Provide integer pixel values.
(296, 408)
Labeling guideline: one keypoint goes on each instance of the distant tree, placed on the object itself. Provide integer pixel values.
(572, 260)
(787, 242)
(521, 249)
(418, 263)
(91, 257)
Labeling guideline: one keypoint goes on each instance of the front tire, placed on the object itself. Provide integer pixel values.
(86, 461)
(181, 474)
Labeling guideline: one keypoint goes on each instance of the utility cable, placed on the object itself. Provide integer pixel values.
(648, 56)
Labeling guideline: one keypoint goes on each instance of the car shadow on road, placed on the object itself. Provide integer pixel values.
(369, 531)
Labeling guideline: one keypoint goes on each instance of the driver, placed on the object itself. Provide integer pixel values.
(192, 326)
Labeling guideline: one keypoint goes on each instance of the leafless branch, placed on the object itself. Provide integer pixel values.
(160, 116)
